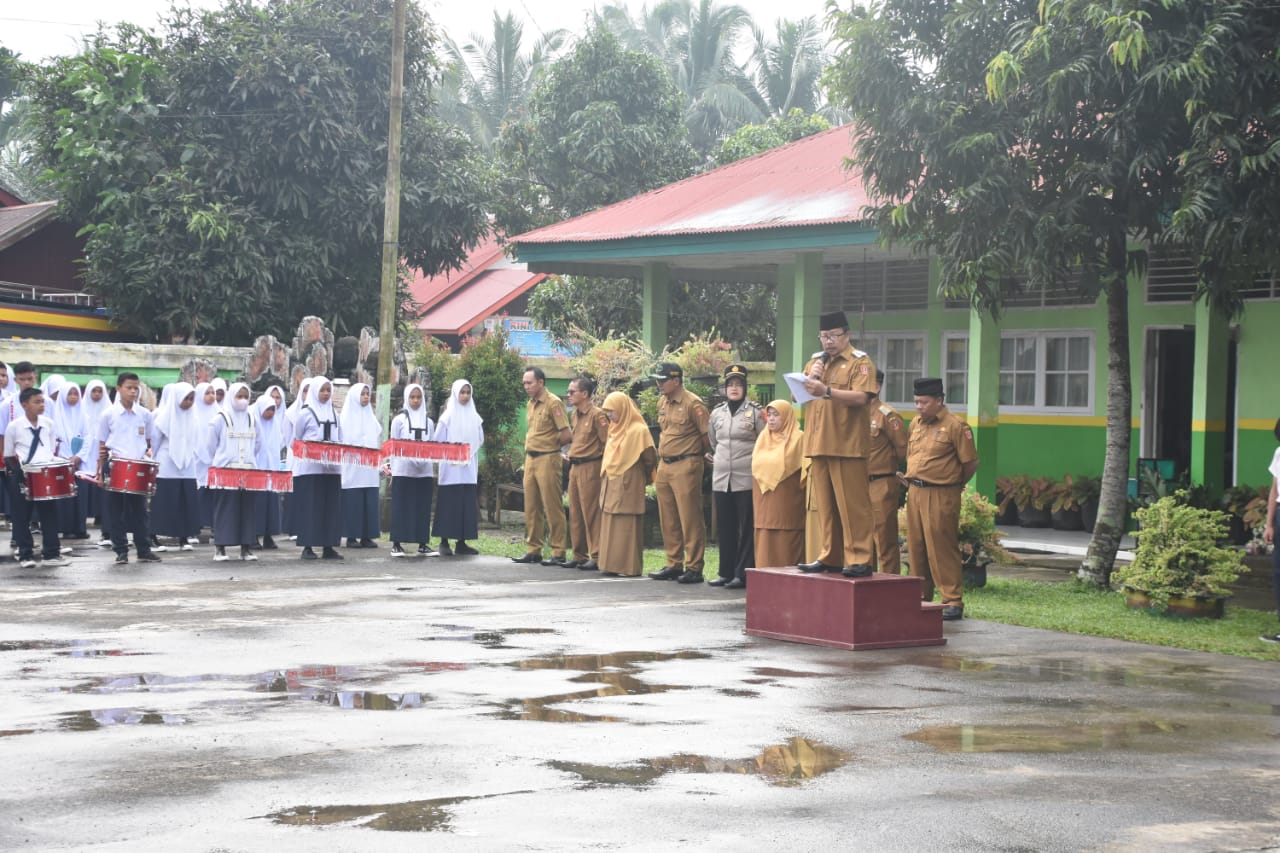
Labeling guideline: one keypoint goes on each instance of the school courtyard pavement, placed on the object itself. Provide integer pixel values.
(475, 704)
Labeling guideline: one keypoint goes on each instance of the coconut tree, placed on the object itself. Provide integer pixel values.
(787, 68)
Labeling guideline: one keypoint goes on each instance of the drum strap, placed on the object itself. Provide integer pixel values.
(327, 426)
(35, 442)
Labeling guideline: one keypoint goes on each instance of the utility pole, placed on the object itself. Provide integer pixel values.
(391, 224)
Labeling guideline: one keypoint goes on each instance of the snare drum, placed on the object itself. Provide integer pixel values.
(49, 481)
(132, 476)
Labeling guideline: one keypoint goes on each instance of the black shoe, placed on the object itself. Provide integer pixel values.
(573, 564)
(148, 557)
(368, 543)
(330, 554)
(668, 573)
(531, 557)
(554, 561)
(590, 566)
(269, 544)
(736, 583)
(308, 554)
(444, 549)
(815, 566)
(691, 576)
(719, 582)
(861, 570)
(122, 558)
(464, 550)
(951, 613)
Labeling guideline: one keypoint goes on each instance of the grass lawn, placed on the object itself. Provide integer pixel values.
(1070, 607)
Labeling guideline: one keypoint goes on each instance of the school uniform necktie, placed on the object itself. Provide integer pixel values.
(35, 442)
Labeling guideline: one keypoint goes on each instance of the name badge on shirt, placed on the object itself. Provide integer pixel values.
(142, 431)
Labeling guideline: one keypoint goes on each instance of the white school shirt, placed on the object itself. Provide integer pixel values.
(18, 437)
(451, 474)
(308, 429)
(234, 444)
(126, 432)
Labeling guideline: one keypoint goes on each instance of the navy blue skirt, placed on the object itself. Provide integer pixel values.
(268, 514)
(175, 508)
(204, 501)
(317, 499)
(457, 512)
(411, 509)
(72, 512)
(233, 516)
(360, 513)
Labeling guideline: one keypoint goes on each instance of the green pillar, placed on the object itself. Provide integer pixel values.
(784, 338)
(984, 397)
(799, 306)
(657, 303)
(1209, 399)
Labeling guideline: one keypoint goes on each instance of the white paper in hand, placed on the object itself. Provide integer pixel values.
(795, 382)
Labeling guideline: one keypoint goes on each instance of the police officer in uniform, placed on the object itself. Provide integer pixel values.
(548, 431)
(837, 438)
(888, 449)
(941, 458)
(683, 441)
(735, 425)
(590, 429)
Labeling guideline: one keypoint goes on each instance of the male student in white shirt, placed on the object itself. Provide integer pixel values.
(29, 439)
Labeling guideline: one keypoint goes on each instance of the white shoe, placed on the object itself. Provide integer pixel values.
(187, 546)
(397, 551)
(54, 562)
(28, 563)
(221, 557)
(157, 547)
(250, 557)
(105, 544)
(66, 549)
(192, 540)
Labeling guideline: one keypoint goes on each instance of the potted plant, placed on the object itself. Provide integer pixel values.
(1235, 502)
(1179, 566)
(1064, 506)
(979, 538)
(1007, 491)
(1088, 490)
(1038, 495)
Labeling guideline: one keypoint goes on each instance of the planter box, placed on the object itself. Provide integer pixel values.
(879, 612)
(1089, 515)
(1201, 607)
(1029, 516)
(1066, 519)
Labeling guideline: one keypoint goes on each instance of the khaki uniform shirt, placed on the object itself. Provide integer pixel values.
(589, 432)
(684, 421)
(733, 438)
(546, 418)
(937, 450)
(888, 440)
(834, 429)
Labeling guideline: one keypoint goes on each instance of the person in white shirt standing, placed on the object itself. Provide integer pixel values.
(24, 376)
(29, 439)
(126, 430)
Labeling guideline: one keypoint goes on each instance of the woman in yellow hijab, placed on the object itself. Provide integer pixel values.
(629, 460)
(777, 466)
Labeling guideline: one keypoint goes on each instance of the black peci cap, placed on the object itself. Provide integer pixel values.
(928, 387)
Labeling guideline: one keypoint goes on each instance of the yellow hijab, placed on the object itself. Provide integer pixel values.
(777, 455)
(629, 435)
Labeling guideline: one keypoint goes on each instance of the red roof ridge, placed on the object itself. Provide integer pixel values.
(480, 263)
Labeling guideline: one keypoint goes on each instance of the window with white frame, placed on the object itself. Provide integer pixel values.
(901, 357)
(1047, 370)
(955, 368)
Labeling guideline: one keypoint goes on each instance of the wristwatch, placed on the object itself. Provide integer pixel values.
(827, 395)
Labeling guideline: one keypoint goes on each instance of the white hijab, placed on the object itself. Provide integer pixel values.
(462, 421)
(271, 431)
(239, 421)
(359, 423)
(324, 411)
(417, 418)
(69, 420)
(181, 429)
(52, 385)
(93, 412)
(304, 397)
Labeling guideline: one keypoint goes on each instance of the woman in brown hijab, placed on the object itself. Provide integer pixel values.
(629, 460)
(777, 466)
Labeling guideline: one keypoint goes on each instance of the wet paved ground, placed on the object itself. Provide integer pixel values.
(472, 704)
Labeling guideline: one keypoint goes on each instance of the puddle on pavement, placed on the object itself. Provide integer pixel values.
(783, 765)
(16, 732)
(88, 721)
(489, 639)
(1140, 735)
(741, 694)
(615, 660)
(775, 672)
(65, 648)
(413, 816)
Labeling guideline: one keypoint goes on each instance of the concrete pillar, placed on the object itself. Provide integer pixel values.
(984, 397)
(799, 306)
(784, 339)
(1209, 398)
(657, 304)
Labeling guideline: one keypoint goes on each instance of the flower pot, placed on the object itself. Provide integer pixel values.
(1009, 516)
(1066, 519)
(1029, 516)
(1237, 531)
(974, 572)
(1089, 515)
(1191, 606)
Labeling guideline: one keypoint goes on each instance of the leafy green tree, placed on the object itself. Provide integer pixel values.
(751, 139)
(787, 69)
(604, 124)
(494, 372)
(1018, 142)
(228, 173)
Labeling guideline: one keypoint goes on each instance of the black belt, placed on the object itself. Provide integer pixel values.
(923, 485)
(573, 461)
(879, 476)
(536, 453)
(671, 459)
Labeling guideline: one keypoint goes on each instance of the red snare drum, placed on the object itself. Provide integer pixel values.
(49, 481)
(132, 476)
(251, 479)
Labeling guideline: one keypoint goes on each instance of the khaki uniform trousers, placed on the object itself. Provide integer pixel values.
(884, 509)
(684, 530)
(844, 510)
(584, 510)
(542, 496)
(933, 541)
(812, 530)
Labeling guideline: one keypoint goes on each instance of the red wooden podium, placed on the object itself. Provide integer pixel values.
(828, 609)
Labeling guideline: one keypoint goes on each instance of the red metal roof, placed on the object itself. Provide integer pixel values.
(453, 303)
(21, 221)
(803, 183)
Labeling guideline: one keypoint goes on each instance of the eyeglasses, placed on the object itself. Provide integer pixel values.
(831, 336)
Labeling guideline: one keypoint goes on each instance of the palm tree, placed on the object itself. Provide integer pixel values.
(488, 80)
(786, 70)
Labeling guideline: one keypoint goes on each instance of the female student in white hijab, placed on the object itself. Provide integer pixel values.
(69, 430)
(457, 507)
(360, 482)
(175, 508)
(272, 439)
(288, 519)
(233, 443)
(412, 480)
(317, 486)
(94, 404)
(206, 407)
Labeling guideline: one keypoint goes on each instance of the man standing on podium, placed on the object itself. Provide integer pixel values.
(837, 438)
